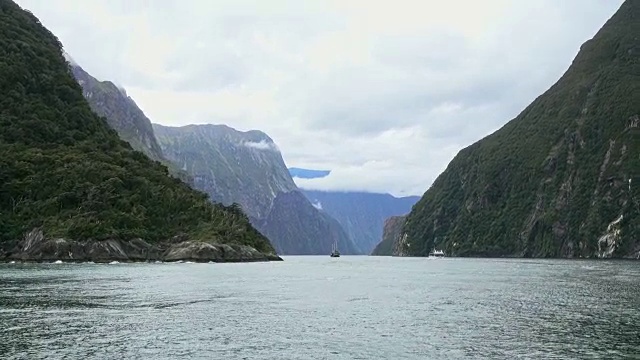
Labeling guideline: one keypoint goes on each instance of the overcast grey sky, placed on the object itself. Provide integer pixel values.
(383, 93)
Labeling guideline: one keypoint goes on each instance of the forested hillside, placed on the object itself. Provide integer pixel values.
(66, 171)
(562, 179)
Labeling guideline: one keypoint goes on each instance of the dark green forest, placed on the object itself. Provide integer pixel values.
(64, 169)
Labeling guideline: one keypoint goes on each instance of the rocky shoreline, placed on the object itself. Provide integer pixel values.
(36, 248)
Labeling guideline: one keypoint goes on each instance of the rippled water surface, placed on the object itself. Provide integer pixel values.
(323, 308)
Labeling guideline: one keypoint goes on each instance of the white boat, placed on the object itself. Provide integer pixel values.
(436, 253)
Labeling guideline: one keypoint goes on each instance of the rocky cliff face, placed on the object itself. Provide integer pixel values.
(296, 227)
(247, 168)
(120, 111)
(36, 248)
(362, 215)
(231, 166)
(391, 237)
(561, 179)
(124, 116)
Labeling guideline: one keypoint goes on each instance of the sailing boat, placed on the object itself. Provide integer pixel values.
(334, 249)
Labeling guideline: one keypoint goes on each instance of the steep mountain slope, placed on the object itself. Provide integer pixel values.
(390, 237)
(67, 176)
(247, 168)
(362, 215)
(562, 179)
(231, 166)
(293, 221)
(124, 116)
(121, 112)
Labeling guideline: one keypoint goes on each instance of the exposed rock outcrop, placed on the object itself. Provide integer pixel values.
(203, 252)
(35, 247)
(609, 242)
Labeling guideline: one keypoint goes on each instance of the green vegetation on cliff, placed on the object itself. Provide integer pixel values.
(562, 179)
(63, 169)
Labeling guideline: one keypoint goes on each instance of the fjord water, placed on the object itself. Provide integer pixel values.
(323, 308)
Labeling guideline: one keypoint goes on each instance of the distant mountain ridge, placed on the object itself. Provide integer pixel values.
(292, 221)
(247, 168)
(361, 214)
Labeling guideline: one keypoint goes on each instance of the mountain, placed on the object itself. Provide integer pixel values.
(123, 115)
(308, 173)
(247, 168)
(562, 179)
(121, 112)
(361, 214)
(293, 221)
(390, 236)
(71, 188)
(231, 166)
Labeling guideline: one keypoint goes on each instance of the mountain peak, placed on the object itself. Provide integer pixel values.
(616, 41)
(225, 132)
(230, 165)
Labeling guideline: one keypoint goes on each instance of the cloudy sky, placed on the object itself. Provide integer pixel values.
(383, 93)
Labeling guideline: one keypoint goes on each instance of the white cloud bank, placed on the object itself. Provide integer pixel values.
(261, 145)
